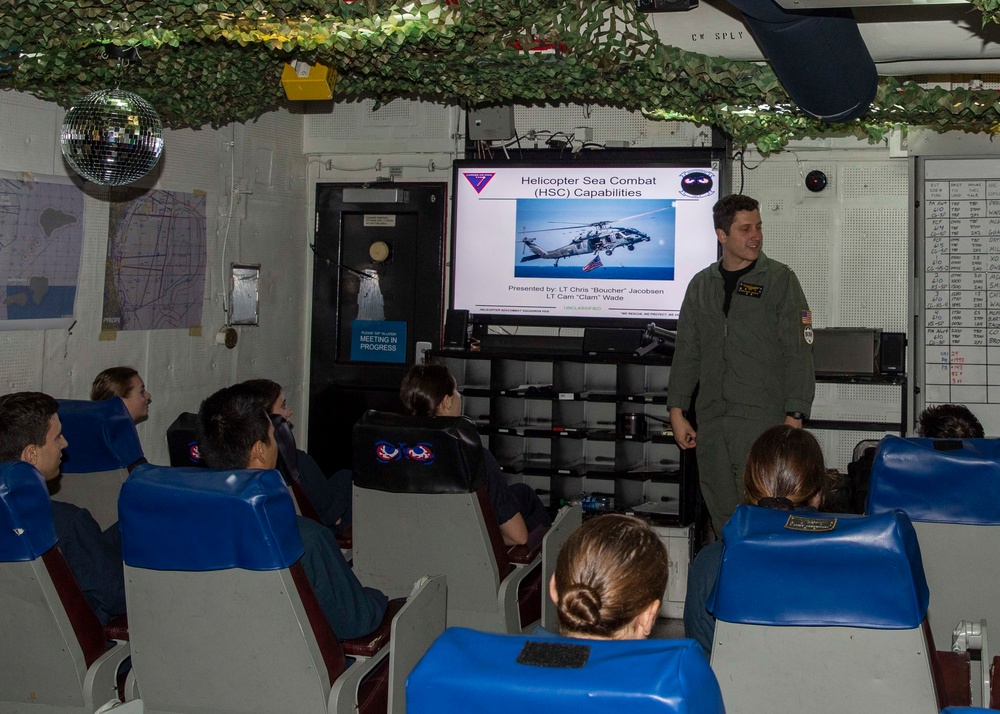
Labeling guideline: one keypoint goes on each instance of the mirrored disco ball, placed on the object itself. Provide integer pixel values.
(112, 137)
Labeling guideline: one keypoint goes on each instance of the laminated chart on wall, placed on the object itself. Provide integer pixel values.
(155, 269)
(41, 241)
(959, 268)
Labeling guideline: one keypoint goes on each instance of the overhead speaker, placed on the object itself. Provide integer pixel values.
(456, 329)
(892, 353)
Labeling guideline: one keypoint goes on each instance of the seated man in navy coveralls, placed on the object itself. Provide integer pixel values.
(236, 433)
(30, 431)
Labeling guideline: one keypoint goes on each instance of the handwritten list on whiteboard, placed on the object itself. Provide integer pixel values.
(961, 286)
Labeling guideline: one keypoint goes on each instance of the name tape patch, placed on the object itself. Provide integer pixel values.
(750, 290)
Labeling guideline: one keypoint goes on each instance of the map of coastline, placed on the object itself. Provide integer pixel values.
(155, 269)
(41, 241)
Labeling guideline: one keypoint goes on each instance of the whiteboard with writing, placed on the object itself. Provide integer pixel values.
(958, 215)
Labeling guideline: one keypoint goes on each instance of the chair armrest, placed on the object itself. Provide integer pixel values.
(100, 684)
(524, 554)
(371, 643)
(567, 520)
(419, 623)
(117, 629)
(345, 539)
(994, 702)
(956, 678)
(507, 596)
(343, 697)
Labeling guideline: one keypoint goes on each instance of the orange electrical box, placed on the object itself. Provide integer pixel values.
(308, 82)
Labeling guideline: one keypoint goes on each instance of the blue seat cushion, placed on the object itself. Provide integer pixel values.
(468, 671)
(865, 571)
(101, 436)
(198, 519)
(938, 480)
(26, 527)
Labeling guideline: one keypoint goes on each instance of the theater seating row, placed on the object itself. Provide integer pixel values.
(816, 612)
(190, 535)
(844, 598)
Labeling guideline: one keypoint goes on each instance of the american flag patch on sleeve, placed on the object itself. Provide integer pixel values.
(807, 317)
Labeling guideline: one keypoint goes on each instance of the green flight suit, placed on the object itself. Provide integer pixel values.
(753, 366)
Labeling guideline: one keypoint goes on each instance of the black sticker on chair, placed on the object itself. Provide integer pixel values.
(947, 444)
(554, 654)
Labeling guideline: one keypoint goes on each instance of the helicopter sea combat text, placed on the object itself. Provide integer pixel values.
(588, 181)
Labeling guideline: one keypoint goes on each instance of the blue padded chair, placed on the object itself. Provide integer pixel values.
(103, 448)
(54, 655)
(469, 671)
(950, 489)
(420, 506)
(825, 613)
(182, 445)
(222, 616)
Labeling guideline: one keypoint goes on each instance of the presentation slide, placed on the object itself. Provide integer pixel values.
(620, 242)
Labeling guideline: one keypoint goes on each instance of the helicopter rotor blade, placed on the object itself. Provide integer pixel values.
(637, 215)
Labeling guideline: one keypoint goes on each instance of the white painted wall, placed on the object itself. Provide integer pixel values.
(268, 226)
(848, 244)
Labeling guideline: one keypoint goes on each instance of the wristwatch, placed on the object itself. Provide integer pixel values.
(796, 415)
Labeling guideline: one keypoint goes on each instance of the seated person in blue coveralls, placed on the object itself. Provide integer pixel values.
(235, 433)
(784, 471)
(330, 497)
(30, 431)
(610, 577)
(431, 390)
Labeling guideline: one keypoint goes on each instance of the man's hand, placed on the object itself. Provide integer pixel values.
(792, 421)
(684, 434)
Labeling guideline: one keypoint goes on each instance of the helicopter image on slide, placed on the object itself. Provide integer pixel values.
(592, 239)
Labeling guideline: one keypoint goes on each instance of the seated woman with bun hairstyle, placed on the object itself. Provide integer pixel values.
(610, 576)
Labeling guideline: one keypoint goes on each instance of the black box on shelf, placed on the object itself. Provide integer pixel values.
(611, 340)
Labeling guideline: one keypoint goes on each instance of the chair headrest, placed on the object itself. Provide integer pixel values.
(288, 458)
(820, 569)
(26, 527)
(101, 436)
(938, 480)
(201, 519)
(182, 441)
(465, 670)
(403, 454)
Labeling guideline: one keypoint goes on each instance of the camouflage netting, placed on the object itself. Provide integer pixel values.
(215, 63)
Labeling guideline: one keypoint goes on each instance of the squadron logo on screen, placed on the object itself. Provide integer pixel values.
(697, 183)
(478, 180)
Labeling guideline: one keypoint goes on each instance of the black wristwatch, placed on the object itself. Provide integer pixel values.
(796, 415)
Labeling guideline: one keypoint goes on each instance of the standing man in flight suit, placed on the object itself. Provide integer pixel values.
(745, 335)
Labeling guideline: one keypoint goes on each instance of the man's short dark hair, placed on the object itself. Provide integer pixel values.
(724, 212)
(230, 422)
(949, 421)
(24, 420)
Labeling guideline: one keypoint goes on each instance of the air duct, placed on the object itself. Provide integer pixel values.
(818, 56)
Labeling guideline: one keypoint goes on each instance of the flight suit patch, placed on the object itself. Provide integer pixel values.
(807, 328)
(750, 290)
